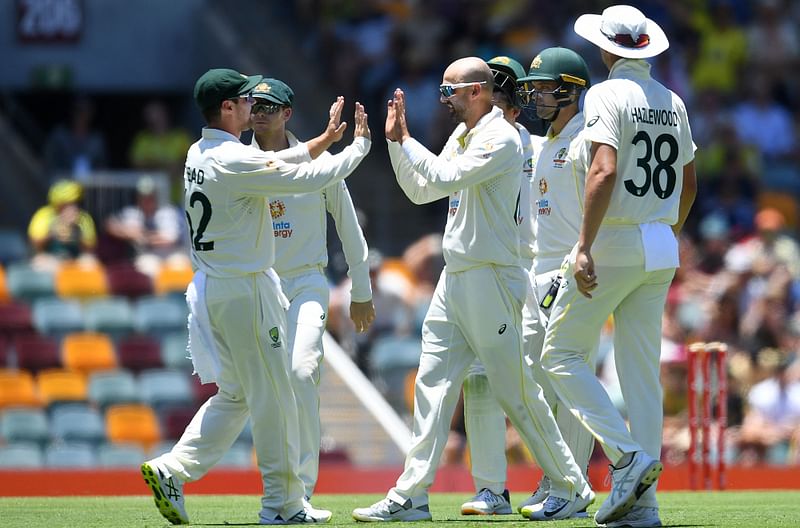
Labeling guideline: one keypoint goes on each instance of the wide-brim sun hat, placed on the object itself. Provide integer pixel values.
(624, 31)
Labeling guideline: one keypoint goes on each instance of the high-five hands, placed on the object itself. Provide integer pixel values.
(335, 130)
(396, 128)
(362, 126)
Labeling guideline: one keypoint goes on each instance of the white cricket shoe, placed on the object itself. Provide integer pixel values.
(628, 483)
(486, 502)
(388, 510)
(305, 516)
(555, 508)
(167, 492)
(315, 512)
(538, 496)
(638, 517)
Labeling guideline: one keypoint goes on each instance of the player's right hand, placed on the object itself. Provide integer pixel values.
(584, 274)
(362, 126)
(335, 129)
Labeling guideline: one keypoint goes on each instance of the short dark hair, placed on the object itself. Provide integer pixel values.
(212, 113)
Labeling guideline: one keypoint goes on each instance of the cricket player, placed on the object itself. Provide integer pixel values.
(639, 189)
(300, 226)
(237, 325)
(483, 417)
(477, 305)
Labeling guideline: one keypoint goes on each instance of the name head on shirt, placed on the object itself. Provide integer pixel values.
(654, 116)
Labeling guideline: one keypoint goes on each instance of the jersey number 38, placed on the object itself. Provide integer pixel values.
(662, 176)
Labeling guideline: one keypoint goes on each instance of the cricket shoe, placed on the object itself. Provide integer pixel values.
(307, 515)
(487, 502)
(388, 510)
(638, 517)
(167, 492)
(555, 508)
(538, 496)
(628, 483)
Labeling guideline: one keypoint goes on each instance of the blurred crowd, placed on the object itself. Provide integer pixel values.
(734, 62)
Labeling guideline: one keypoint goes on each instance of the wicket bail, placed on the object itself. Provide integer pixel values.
(711, 358)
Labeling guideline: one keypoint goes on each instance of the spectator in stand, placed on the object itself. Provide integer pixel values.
(722, 48)
(160, 146)
(772, 40)
(771, 244)
(154, 231)
(61, 230)
(76, 149)
(763, 122)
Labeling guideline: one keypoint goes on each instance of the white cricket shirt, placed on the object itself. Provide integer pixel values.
(225, 186)
(530, 145)
(299, 223)
(648, 125)
(557, 195)
(479, 170)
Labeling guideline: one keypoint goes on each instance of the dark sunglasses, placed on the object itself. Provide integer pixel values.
(267, 108)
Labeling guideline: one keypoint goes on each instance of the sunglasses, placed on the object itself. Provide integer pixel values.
(266, 108)
(448, 90)
(248, 98)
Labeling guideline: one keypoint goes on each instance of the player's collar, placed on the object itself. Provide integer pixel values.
(218, 134)
(626, 68)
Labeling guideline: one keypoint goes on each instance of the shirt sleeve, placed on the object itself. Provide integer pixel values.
(40, 224)
(296, 154)
(86, 226)
(260, 173)
(413, 184)
(486, 155)
(340, 205)
(602, 117)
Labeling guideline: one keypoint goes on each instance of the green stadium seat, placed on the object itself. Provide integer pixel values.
(110, 387)
(112, 315)
(21, 424)
(77, 422)
(160, 315)
(69, 455)
(120, 455)
(161, 388)
(58, 317)
(21, 455)
(173, 352)
(26, 284)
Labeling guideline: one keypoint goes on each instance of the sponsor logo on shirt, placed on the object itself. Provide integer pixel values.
(282, 229)
(277, 208)
(275, 336)
(592, 121)
(542, 186)
(543, 207)
(560, 159)
(454, 201)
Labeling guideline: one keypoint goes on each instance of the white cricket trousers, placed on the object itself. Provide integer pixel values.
(308, 294)
(249, 328)
(636, 299)
(483, 416)
(477, 313)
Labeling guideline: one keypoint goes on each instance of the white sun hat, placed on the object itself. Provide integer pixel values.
(623, 31)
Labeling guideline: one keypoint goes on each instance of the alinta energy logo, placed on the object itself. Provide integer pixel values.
(282, 229)
(277, 208)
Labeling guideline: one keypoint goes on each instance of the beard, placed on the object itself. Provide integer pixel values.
(456, 114)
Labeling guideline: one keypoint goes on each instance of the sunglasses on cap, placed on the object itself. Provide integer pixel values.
(448, 90)
(266, 108)
(248, 98)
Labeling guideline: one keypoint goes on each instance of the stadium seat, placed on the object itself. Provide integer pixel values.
(36, 352)
(160, 315)
(13, 246)
(27, 284)
(69, 455)
(173, 279)
(5, 295)
(4, 352)
(112, 316)
(202, 392)
(139, 352)
(24, 424)
(77, 422)
(164, 387)
(120, 455)
(126, 281)
(111, 387)
(175, 421)
(57, 386)
(57, 317)
(174, 354)
(21, 455)
(80, 280)
(17, 388)
(391, 359)
(86, 352)
(132, 423)
(239, 456)
(15, 318)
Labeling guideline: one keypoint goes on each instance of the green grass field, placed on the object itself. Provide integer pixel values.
(728, 509)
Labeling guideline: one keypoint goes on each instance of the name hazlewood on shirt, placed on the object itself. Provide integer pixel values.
(654, 116)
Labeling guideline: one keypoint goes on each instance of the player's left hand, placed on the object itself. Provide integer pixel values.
(362, 314)
(584, 274)
(401, 126)
(335, 129)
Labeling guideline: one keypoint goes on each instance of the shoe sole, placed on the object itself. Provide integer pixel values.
(475, 511)
(649, 477)
(162, 503)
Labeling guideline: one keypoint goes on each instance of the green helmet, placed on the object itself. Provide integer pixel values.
(506, 71)
(558, 64)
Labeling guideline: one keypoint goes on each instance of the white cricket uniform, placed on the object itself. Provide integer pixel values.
(299, 223)
(476, 307)
(226, 186)
(635, 255)
(483, 417)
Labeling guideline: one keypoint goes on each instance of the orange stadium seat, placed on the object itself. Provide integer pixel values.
(172, 278)
(132, 423)
(87, 351)
(5, 296)
(59, 385)
(81, 280)
(783, 202)
(17, 388)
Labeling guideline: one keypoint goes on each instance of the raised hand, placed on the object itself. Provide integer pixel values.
(362, 126)
(401, 126)
(391, 119)
(335, 130)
